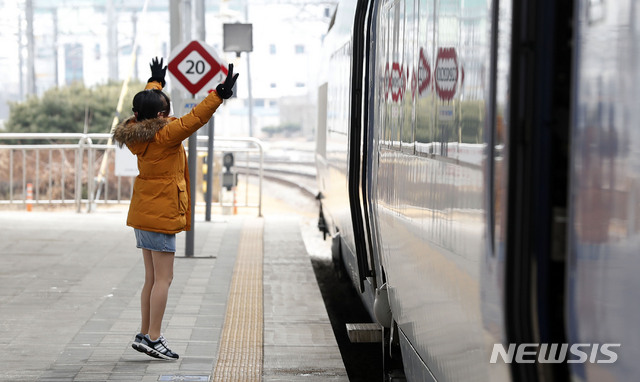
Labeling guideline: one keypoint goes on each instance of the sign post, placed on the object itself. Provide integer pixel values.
(239, 38)
(196, 68)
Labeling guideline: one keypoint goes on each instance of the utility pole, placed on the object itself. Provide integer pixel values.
(186, 20)
(20, 59)
(180, 29)
(250, 92)
(112, 40)
(31, 67)
(202, 35)
(199, 20)
(175, 23)
(54, 13)
(193, 139)
(134, 21)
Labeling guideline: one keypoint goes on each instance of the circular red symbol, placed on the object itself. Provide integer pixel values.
(446, 73)
(397, 81)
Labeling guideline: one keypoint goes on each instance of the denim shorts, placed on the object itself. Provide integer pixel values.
(155, 241)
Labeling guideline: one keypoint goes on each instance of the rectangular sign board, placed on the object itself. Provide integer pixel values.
(126, 162)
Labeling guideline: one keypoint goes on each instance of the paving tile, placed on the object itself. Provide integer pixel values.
(75, 279)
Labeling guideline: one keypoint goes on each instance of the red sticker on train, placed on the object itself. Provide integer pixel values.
(398, 82)
(424, 73)
(446, 73)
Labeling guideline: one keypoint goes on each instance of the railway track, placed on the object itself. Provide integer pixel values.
(296, 175)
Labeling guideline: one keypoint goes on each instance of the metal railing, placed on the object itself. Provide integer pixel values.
(64, 165)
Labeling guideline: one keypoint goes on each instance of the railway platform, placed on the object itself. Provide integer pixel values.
(245, 307)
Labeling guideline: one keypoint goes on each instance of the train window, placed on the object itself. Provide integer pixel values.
(447, 78)
(388, 120)
(382, 65)
(501, 128)
(396, 72)
(424, 95)
(407, 103)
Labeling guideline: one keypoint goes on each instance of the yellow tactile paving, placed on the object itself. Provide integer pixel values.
(240, 355)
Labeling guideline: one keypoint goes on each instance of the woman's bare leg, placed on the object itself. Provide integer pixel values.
(145, 296)
(163, 275)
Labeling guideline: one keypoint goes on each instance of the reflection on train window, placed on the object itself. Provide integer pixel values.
(338, 91)
(409, 81)
(501, 129)
(424, 102)
(388, 120)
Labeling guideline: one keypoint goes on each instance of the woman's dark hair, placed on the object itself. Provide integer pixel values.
(148, 103)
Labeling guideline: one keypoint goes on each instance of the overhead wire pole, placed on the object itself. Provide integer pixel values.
(249, 87)
(31, 69)
(202, 35)
(112, 41)
(123, 92)
(54, 15)
(177, 19)
(20, 59)
(186, 13)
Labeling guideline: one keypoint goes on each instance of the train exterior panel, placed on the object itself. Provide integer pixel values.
(332, 143)
(478, 167)
(430, 105)
(604, 231)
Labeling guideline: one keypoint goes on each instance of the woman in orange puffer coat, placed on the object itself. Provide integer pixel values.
(161, 202)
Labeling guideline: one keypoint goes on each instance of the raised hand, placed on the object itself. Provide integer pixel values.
(225, 89)
(158, 72)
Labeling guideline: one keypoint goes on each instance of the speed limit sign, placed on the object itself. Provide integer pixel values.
(196, 67)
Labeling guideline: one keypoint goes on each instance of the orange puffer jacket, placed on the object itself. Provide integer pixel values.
(161, 200)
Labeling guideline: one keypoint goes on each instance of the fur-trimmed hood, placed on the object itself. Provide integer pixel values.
(131, 132)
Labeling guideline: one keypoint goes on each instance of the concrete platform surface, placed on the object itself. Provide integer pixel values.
(70, 289)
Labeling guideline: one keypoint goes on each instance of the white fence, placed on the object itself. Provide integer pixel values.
(78, 169)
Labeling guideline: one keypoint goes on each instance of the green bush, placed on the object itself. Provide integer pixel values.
(63, 110)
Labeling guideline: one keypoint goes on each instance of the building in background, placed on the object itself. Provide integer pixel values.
(72, 43)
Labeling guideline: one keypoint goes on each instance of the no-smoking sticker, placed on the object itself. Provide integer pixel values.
(446, 73)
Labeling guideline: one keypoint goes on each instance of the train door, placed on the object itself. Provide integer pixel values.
(361, 146)
(493, 268)
(532, 71)
(604, 230)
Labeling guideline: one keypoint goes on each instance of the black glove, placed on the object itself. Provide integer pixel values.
(157, 71)
(225, 89)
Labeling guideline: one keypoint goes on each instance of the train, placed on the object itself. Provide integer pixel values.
(479, 181)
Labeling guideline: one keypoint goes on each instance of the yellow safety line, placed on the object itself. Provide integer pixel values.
(240, 354)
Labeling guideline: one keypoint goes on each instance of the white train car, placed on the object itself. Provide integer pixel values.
(479, 183)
